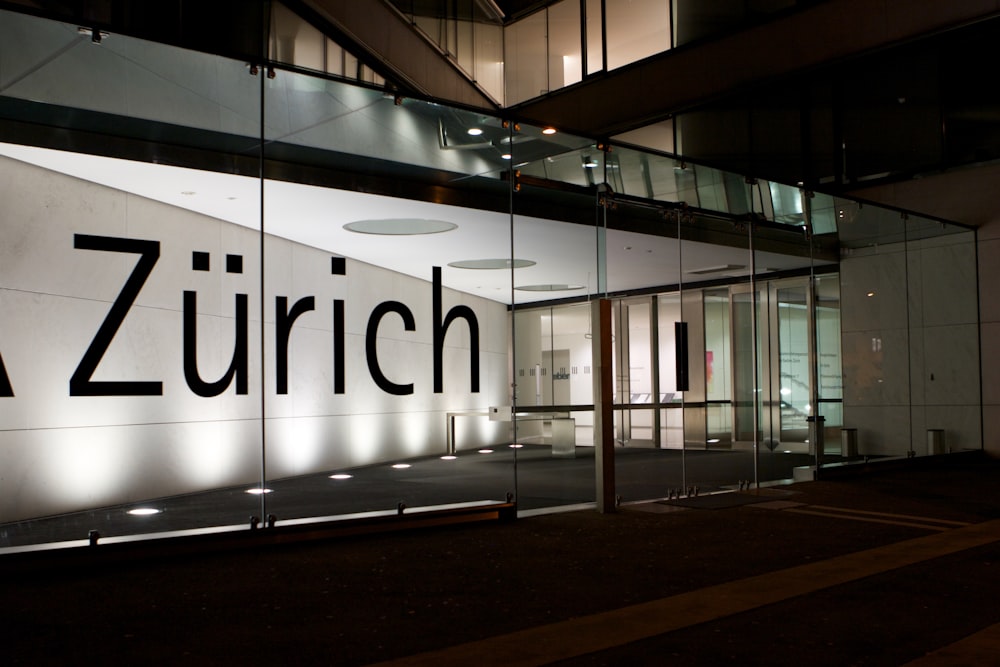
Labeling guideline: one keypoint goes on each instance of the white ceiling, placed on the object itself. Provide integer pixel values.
(565, 254)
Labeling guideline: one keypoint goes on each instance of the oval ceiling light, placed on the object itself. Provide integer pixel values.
(400, 226)
(143, 511)
(474, 131)
(506, 156)
(258, 491)
(491, 263)
(549, 288)
(400, 466)
(448, 457)
(341, 475)
(549, 130)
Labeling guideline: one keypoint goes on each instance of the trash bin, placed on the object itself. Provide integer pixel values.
(935, 441)
(816, 435)
(849, 443)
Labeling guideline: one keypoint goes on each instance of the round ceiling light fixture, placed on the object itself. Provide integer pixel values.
(480, 264)
(550, 288)
(400, 226)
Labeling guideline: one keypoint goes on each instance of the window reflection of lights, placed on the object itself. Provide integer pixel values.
(341, 475)
(474, 131)
(256, 491)
(785, 391)
(143, 511)
(549, 130)
(485, 451)
(448, 457)
(400, 466)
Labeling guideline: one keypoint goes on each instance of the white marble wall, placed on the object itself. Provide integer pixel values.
(910, 344)
(61, 453)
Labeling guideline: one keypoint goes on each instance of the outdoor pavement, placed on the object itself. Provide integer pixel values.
(893, 566)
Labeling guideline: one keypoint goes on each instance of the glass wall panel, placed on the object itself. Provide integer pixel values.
(944, 337)
(636, 29)
(794, 392)
(525, 49)
(557, 269)
(565, 53)
(718, 369)
(829, 377)
(595, 36)
(875, 329)
(387, 317)
(489, 65)
(129, 389)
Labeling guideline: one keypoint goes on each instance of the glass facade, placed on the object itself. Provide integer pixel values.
(238, 290)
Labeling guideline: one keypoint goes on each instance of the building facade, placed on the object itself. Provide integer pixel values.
(268, 279)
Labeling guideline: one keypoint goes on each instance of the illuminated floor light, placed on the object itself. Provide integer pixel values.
(485, 451)
(400, 466)
(341, 475)
(448, 457)
(257, 491)
(143, 511)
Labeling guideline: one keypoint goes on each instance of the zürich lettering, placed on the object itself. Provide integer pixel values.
(82, 383)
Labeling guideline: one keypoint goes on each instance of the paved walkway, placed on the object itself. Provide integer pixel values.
(598, 632)
(891, 568)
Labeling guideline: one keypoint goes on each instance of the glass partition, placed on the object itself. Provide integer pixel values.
(130, 286)
(387, 302)
(556, 268)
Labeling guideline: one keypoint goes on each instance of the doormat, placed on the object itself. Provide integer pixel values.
(718, 501)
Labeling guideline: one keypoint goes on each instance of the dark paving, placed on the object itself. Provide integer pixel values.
(362, 600)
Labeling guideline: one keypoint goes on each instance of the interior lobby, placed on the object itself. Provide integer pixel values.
(323, 264)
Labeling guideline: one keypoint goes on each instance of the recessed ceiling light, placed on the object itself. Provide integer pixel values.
(871, 293)
(549, 130)
(549, 288)
(515, 446)
(474, 131)
(506, 156)
(491, 263)
(256, 491)
(341, 475)
(400, 466)
(591, 164)
(448, 457)
(485, 451)
(143, 511)
(400, 226)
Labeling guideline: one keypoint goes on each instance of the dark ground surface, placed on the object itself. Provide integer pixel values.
(359, 600)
